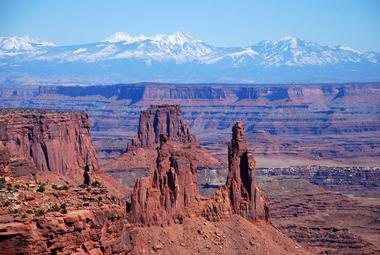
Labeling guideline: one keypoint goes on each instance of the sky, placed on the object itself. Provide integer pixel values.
(355, 23)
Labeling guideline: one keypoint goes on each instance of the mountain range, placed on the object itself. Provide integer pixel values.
(181, 57)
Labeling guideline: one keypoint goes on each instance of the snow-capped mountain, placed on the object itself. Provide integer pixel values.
(182, 57)
(293, 51)
(10, 46)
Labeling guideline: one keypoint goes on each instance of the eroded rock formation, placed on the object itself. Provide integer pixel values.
(241, 181)
(161, 119)
(241, 194)
(51, 218)
(140, 157)
(170, 193)
(47, 141)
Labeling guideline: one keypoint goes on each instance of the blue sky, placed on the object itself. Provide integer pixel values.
(355, 23)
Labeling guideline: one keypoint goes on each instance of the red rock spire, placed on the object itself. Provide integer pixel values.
(241, 194)
(241, 182)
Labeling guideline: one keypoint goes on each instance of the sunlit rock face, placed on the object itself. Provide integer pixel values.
(171, 193)
(47, 141)
(161, 120)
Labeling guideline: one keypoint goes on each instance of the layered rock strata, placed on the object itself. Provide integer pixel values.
(47, 141)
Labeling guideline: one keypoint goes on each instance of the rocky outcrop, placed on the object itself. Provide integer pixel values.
(161, 120)
(140, 157)
(47, 141)
(81, 220)
(60, 219)
(170, 193)
(241, 194)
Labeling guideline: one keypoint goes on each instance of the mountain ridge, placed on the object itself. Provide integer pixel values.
(183, 57)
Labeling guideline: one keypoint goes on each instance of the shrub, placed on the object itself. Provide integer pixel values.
(39, 212)
(63, 208)
(2, 183)
(41, 188)
(55, 208)
(64, 187)
(30, 211)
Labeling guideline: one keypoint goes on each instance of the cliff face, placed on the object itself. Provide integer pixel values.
(161, 120)
(4, 161)
(47, 141)
(171, 192)
(334, 120)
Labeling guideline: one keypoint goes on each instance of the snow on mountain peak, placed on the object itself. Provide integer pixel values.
(292, 41)
(184, 47)
(181, 38)
(346, 48)
(179, 46)
(177, 38)
(123, 37)
(23, 43)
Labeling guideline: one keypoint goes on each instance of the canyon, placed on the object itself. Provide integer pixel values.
(334, 124)
(42, 216)
(315, 157)
(333, 209)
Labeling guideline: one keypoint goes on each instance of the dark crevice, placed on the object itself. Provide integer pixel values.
(45, 152)
(244, 175)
